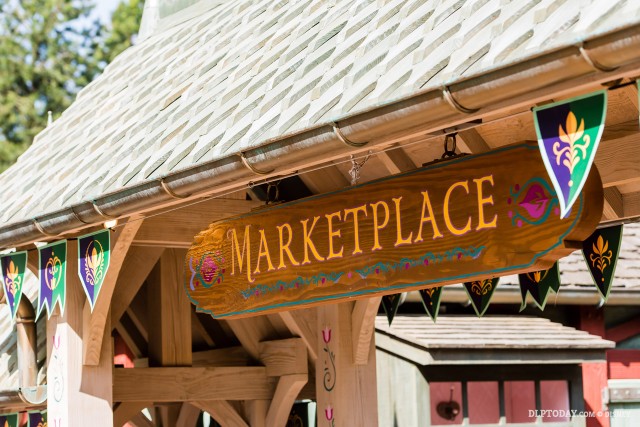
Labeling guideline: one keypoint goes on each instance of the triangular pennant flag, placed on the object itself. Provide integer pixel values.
(93, 262)
(538, 284)
(600, 252)
(431, 301)
(9, 420)
(390, 304)
(37, 419)
(53, 276)
(13, 267)
(480, 293)
(569, 132)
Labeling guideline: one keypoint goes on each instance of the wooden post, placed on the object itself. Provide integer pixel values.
(594, 374)
(169, 321)
(78, 395)
(346, 392)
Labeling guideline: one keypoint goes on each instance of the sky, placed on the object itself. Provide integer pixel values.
(104, 9)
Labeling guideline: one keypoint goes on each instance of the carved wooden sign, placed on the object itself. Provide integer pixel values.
(465, 219)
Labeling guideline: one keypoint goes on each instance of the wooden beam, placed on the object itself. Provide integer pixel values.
(396, 160)
(623, 331)
(131, 338)
(140, 420)
(169, 312)
(302, 323)
(136, 269)
(613, 207)
(363, 319)
(176, 228)
(631, 205)
(329, 178)
(470, 141)
(287, 390)
(188, 416)
(256, 412)
(199, 328)
(123, 412)
(192, 383)
(284, 357)
(232, 356)
(95, 322)
(223, 412)
(618, 157)
(250, 331)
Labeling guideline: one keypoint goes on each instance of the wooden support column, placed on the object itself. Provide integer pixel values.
(78, 395)
(169, 314)
(345, 391)
(594, 374)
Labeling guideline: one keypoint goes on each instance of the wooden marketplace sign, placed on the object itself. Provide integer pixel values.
(470, 218)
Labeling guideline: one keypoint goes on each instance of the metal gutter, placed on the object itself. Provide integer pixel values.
(553, 74)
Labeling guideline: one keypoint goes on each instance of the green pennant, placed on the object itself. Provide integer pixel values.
(431, 301)
(600, 251)
(538, 284)
(13, 267)
(480, 293)
(390, 304)
(9, 420)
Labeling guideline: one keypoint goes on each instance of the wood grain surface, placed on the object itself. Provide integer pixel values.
(469, 218)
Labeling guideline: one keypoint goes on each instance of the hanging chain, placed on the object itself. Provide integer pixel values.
(450, 146)
(273, 187)
(355, 168)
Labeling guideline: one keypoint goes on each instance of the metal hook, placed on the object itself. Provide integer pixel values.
(355, 168)
(449, 152)
(276, 198)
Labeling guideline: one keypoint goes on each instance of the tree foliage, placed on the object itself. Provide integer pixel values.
(49, 50)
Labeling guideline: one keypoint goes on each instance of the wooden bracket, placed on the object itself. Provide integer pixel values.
(94, 324)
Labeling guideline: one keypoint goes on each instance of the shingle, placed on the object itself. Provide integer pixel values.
(248, 71)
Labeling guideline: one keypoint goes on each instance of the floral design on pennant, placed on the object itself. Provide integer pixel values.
(13, 267)
(53, 267)
(568, 136)
(482, 287)
(600, 251)
(601, 256)
(574, 151)
(93, 256)
(480, 293)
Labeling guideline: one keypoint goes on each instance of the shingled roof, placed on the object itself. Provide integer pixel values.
(245, 72)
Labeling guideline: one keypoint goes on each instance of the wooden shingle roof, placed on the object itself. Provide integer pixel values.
(245, 72)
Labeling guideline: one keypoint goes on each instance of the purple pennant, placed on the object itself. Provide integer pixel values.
(37, 419)
(53, 272)
(569, 132)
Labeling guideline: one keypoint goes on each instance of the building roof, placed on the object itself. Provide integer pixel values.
(469, 339)
(246, 72)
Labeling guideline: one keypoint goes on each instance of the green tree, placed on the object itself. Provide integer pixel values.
(125, 22)
(49, 50)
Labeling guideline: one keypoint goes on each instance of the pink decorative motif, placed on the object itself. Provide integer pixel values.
(328, 413)
(208, 269)
(535, 201)
(326, 334)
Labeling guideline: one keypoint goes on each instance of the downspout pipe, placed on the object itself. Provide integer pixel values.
(584, 65)
(29, 392)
